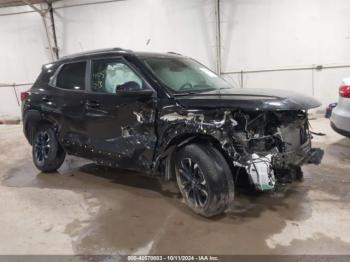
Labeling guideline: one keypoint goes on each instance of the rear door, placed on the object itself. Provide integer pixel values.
(69, 93)
(120, 115)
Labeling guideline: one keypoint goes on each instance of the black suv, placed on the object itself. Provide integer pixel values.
(169, 115)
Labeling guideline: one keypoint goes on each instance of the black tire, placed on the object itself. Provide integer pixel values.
(204, 179)
(48, 154)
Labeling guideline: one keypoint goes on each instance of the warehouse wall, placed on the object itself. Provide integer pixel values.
(22, 52)
(273, 34)
(256, 34)
(183, 26)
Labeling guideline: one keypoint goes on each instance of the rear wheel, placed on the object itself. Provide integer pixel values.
(204, 179)
(48, 154)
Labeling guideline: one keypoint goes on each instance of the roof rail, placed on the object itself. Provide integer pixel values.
(97, 51)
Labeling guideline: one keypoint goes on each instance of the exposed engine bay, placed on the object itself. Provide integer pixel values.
(269, 145)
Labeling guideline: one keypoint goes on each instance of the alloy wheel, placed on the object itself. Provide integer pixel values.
(42, 146)
(192, 182)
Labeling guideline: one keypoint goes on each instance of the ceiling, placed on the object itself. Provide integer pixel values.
(7, 3)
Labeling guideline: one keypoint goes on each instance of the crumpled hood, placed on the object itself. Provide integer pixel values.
(250, 99)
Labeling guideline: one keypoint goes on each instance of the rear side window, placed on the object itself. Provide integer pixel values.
(72, 76)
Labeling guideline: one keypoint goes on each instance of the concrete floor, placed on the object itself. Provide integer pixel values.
(87, 209)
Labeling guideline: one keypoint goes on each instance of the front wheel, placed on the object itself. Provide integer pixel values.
(48, 154)
(204, 179)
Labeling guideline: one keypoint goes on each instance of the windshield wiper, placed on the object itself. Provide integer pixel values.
(199, 91)
(185, 93)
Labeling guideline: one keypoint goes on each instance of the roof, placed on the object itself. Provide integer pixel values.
(115, 50)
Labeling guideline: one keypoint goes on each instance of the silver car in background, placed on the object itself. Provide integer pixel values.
(340, 119)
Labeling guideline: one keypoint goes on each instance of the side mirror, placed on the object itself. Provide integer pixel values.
(128, 86)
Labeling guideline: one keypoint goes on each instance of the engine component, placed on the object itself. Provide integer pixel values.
(261, 173)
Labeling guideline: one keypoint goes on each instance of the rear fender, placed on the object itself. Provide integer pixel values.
(31, 120)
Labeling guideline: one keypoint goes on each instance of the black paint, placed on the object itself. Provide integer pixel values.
(141, 129)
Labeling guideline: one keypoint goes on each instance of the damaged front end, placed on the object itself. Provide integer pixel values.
(273, 146)
(270, 146)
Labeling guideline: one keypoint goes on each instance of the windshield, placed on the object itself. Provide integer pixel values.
(184, 75)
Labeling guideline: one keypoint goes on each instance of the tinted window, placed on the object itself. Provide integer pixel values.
(72, 76)
(110, 75)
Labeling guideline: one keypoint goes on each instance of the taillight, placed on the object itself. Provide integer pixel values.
(24, 96)
(344, 91)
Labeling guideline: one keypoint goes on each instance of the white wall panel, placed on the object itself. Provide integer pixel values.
(183, 26)
(22, 52)
(273, 33)
(255, 34)
(263, 34)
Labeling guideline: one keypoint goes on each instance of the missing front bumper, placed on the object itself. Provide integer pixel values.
(262, 169)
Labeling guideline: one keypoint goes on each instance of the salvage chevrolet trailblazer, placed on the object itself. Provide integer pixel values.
(167, 115)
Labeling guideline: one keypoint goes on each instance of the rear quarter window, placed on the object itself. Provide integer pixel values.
(46, 73)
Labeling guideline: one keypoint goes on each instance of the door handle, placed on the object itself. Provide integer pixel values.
(92, 104)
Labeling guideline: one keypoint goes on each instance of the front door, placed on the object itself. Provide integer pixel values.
(120, 115)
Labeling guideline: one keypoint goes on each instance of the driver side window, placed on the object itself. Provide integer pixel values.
(108, 76)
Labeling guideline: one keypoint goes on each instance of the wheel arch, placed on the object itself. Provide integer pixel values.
(182, 140)
(31, 120)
